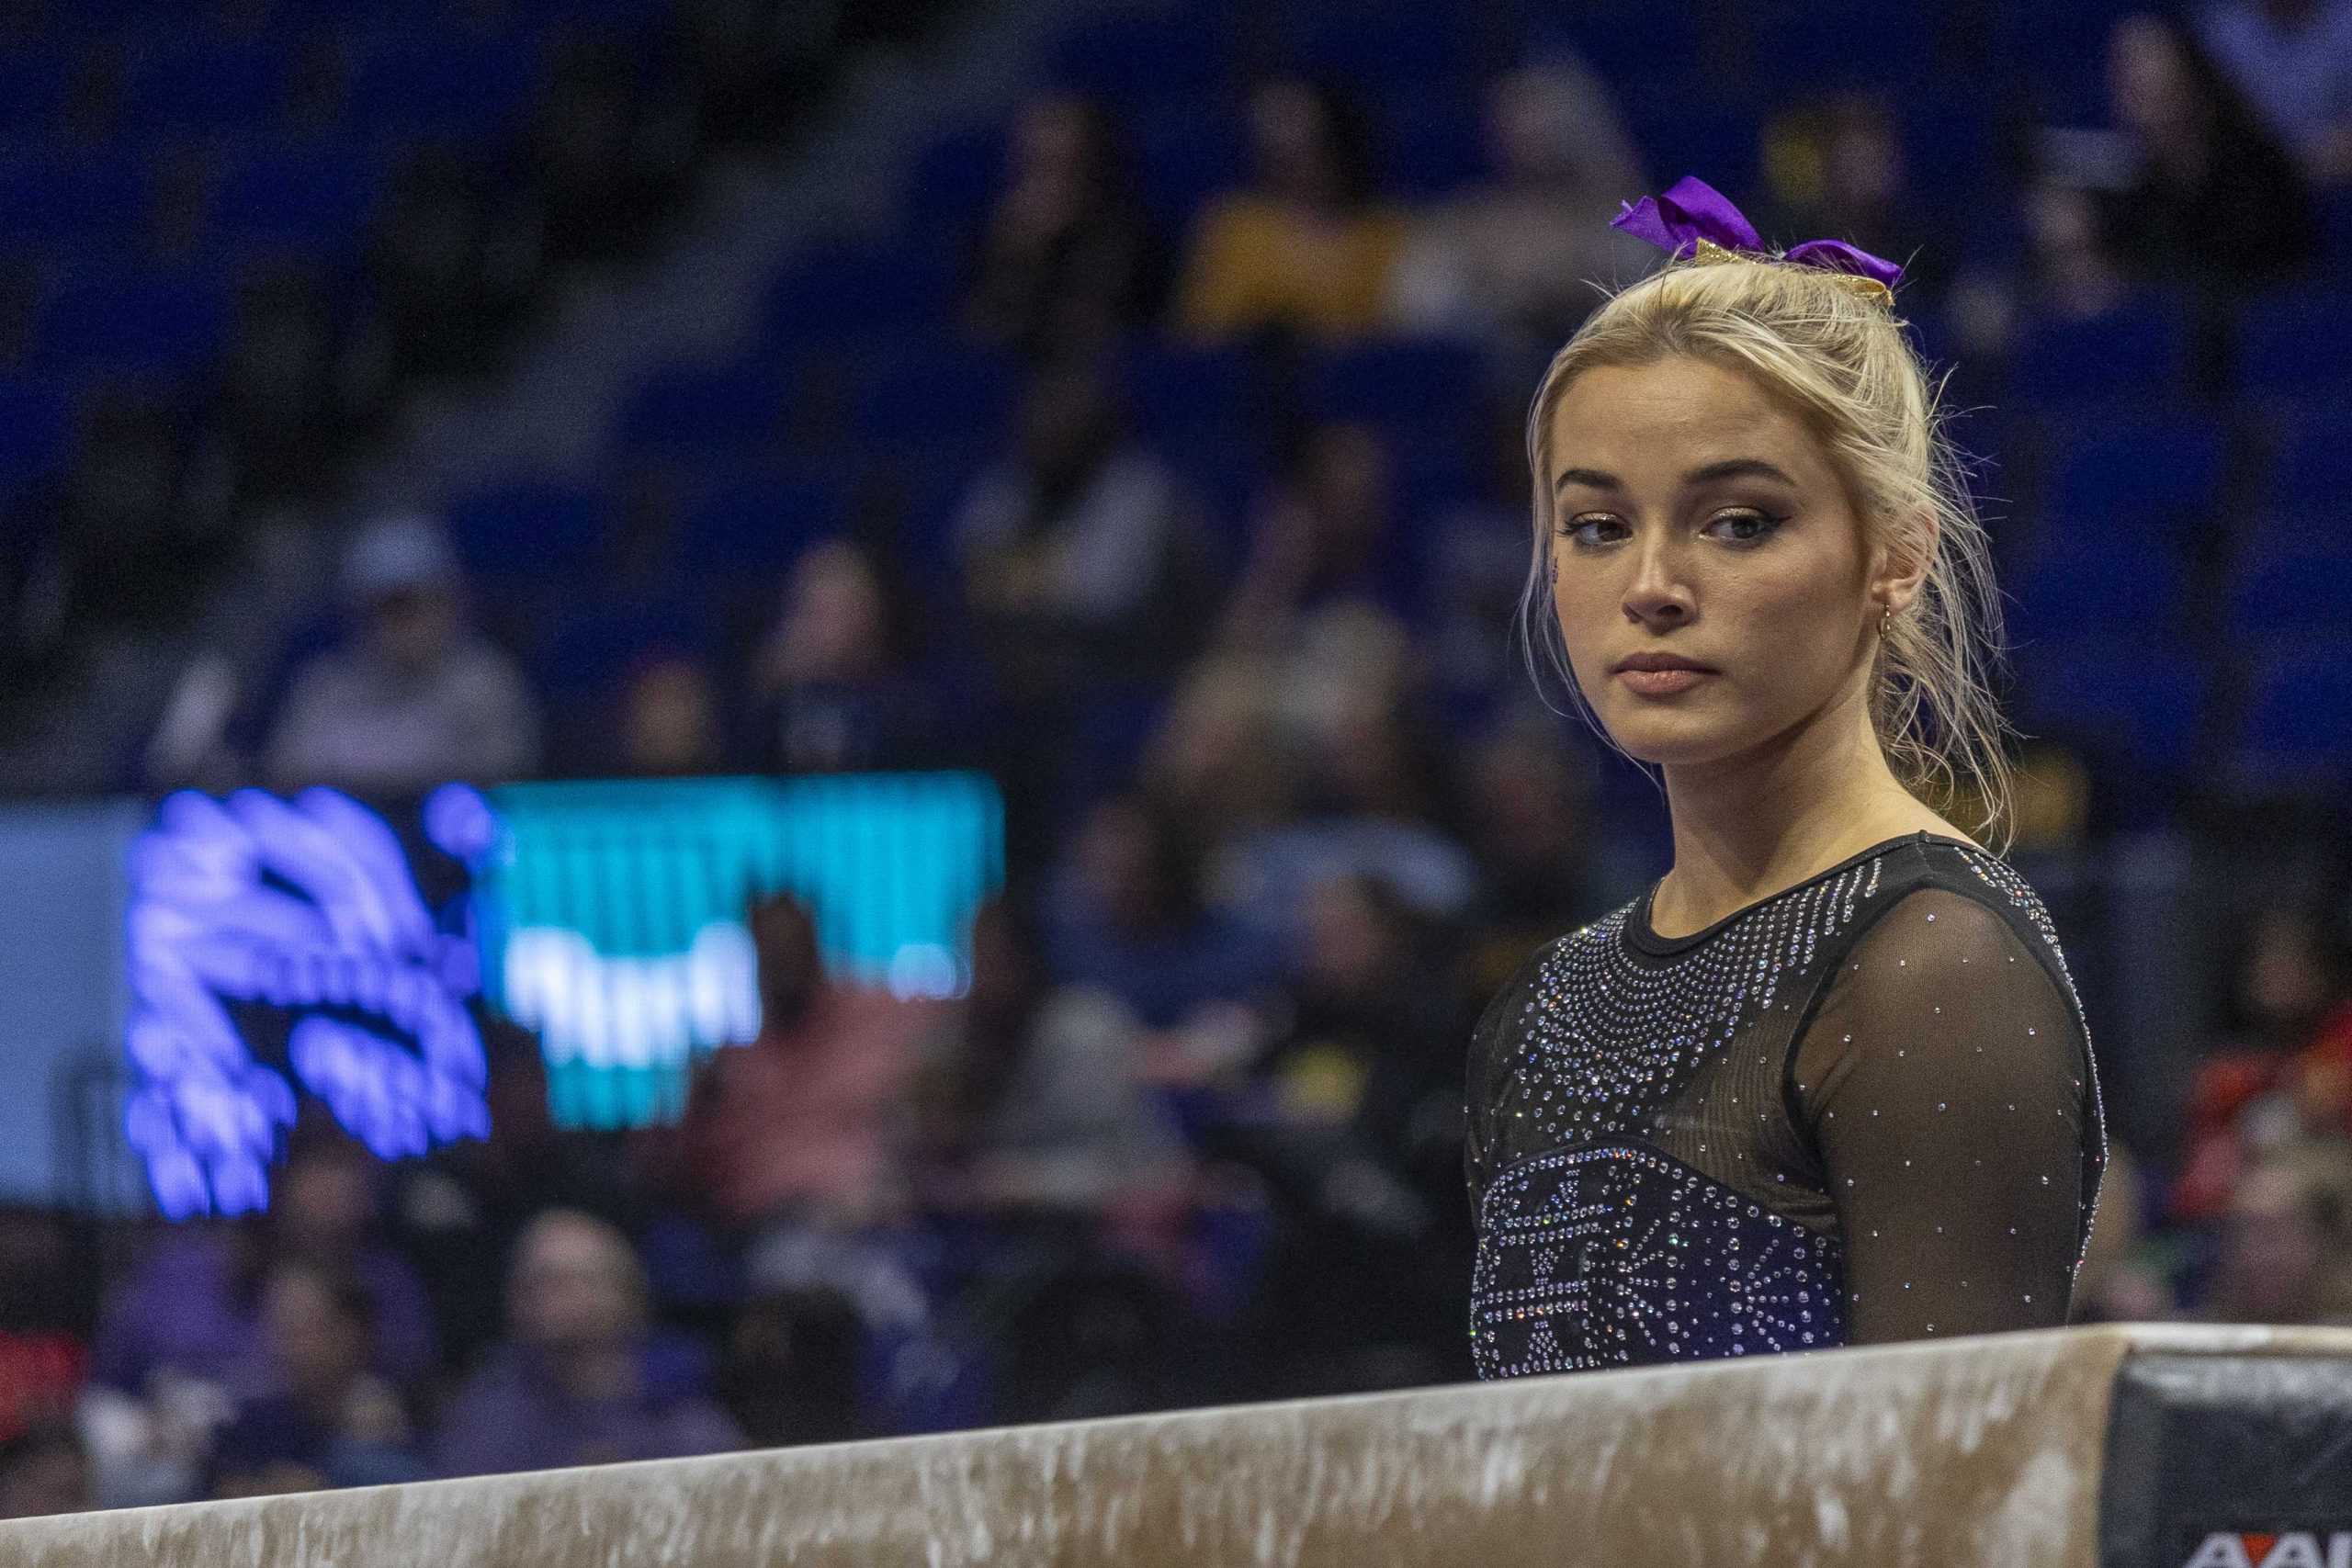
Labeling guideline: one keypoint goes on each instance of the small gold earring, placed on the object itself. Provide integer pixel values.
(1886, 621)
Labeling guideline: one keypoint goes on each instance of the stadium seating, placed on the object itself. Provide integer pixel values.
(535, 528)
(1130, 59)
(2312, 470)
(2299, 721)
(2132, 702)
(2116, 585)
(311, 198)
(155, 158)
(2144, 480)
(692, 411)
(759, 521)
(2295, 343)
(2136, 354)
(283, 137)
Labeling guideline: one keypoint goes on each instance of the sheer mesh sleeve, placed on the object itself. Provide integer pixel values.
(1487, 1076)
(1943, 1082)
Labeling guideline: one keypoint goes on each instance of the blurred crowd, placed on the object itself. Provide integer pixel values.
(1286, 807)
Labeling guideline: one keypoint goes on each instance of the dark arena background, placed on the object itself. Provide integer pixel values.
(821, 697)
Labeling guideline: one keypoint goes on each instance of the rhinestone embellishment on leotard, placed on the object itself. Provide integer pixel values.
(1602, 1248)
(1619, 1256)
(1608, 1252)
(1606, 1039)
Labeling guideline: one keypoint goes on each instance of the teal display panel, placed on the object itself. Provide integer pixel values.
(610, 915)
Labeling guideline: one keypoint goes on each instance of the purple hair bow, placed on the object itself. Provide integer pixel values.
(1692, 216)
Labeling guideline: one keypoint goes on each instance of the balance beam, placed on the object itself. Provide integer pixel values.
(2084, 1448)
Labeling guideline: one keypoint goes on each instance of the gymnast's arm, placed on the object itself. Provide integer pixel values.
(1944, 1080)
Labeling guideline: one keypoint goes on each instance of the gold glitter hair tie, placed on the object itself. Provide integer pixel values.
(1870, 288)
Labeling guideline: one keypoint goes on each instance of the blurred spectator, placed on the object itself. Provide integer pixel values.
(191, 1308)
(1304, 248)
(1048, 1119)
(669, 718)
(1373, 786)
(1127, 916)
(1095, 1337)
(1360, 1141)
(791, 1372)
(2292, 61)
(1220, 756)
(2071, 273)
(868, 1269)
(2284, 1067)
(2189, 189)
(2292, 988)
(1530, 801)
(2213, 197)
(182, 1341)
(1368, 995)
(1326, 532)
(796, 1126)
(1517, 260)
(1834, 170)
(44, 1471)
(324, 1419)
(417, 697)
(831, 687)
(465, 1207)
(204, 731)
(1032, 1096)
(2075, 273)
(2124, 1277)
(578, 1381)
(1307, 766)
(1477, 554)
(1078, 550)
(2287, 1240)
(45, 1289)
(1065, 258)
(1351, 691)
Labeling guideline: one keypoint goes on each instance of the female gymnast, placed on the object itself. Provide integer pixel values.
(1827, 1082)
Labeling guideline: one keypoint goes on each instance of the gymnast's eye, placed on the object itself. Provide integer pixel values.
(1743, 527)
(1592, 530)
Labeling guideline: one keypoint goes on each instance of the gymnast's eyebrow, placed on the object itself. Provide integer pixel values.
(1729, 468)
(1592, 479)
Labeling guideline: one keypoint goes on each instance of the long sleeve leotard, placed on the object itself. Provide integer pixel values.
(1860, 1109)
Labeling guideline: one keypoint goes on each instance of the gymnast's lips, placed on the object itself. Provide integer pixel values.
(1660, 661)
(1660, 674)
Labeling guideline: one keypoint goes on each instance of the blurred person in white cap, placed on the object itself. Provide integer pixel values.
(416, 696)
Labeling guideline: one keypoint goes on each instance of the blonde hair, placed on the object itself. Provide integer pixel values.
(1840, 359)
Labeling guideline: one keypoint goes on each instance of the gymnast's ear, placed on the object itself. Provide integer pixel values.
(1900, 556)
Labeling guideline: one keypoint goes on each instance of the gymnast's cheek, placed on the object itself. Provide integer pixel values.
(1788, 618)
